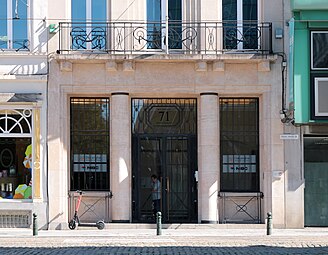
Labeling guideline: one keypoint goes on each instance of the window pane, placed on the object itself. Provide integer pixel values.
(78, 10)
(3, 24)
(154, 33)
(175, 26)
(229, 9)
(250, 29)
(99, 9)
(249, 10)
(19, 24)
(239, 144)
(229, 17)
(320, 50)
(175, 12)
(89, 144)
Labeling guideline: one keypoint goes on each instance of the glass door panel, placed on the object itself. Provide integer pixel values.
(177, 179)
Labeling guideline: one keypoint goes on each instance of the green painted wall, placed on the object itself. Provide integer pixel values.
(301, 73)
(305, 20)
(309, 5)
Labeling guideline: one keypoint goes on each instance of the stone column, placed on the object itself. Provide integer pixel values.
(121, 157)
(208, 157)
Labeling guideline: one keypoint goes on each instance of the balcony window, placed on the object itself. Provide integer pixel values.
(89, 30)
(156, 31)
(14, 24)
(240, 24)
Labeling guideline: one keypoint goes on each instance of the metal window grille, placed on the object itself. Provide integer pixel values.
(89, 144)
(239, 144)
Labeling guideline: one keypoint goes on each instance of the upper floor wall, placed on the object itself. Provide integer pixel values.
(196, 26)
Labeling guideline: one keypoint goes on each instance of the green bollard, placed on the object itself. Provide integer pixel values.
(35, 224)
(269, 223)
(159, 223)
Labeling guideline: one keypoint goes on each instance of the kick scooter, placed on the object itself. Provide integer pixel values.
(76, 221)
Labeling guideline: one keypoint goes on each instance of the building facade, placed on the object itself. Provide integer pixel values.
(308, 85)
(109, 94)
(187, 90)
(23, 111)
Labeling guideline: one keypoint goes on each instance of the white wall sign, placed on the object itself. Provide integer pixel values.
(289, 136)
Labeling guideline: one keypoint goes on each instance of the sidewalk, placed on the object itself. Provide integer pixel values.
(200, 231)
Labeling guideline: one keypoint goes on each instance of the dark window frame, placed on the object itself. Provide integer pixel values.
(234, 175)
(96, 166)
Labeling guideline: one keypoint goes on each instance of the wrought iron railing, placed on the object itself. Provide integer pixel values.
(17, 45)
(150, 38)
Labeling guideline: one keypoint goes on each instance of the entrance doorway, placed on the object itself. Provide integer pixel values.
(165, 145)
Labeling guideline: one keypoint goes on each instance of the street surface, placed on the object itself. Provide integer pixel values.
(172, 241)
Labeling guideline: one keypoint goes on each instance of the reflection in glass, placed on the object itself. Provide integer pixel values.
(320, 49)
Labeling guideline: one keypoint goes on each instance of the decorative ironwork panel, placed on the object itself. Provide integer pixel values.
(150, 37)
(16, 121)
(169, 116)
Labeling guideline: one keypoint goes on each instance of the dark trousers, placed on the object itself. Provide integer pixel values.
(156, 206)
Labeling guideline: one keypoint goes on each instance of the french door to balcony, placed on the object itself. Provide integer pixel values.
(89, 31)
(240, 25)
(158, 11)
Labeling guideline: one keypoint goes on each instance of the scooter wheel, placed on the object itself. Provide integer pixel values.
(100, 224)
(72, 224)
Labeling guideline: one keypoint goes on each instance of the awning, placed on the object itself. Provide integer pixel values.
(20, 97)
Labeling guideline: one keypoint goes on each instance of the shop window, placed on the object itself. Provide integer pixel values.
(239, 144)
(319, 50)
(13, 24)
(16, 154)
(89, 144)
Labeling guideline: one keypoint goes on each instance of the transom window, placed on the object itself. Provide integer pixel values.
(239, 144)
(14, 16)
(89, 144)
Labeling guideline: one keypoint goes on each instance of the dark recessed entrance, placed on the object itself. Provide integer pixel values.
(165, 143)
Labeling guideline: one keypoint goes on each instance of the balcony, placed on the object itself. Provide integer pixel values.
(155, 38)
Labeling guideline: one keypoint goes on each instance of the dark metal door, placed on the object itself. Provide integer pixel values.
(174, 160)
